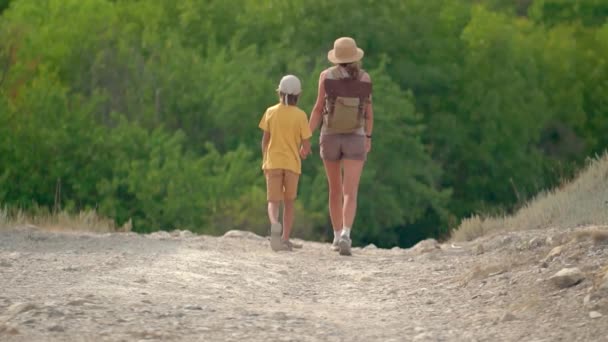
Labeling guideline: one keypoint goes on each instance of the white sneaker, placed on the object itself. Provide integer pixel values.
(335, 246)
(275, 237)
(344, 245)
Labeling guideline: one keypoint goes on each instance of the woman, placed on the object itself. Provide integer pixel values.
(344, 110)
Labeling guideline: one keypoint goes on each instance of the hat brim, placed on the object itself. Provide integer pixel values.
(331, 55)
(278, 90)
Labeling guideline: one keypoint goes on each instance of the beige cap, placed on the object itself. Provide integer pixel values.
(290, 85)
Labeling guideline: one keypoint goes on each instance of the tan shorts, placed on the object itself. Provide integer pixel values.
(281, 185)
(336, 147)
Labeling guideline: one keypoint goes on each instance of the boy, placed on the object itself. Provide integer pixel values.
(286, 139)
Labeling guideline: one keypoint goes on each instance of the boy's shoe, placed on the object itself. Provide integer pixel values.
(292, 244)
(286, 245)
(335, 246)
(344, 245)
(275, 237)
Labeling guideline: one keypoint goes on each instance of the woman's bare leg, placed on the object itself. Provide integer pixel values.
(334, 182)
(350, 189)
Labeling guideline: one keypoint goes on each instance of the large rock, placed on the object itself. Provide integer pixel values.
(567, 277)
(555, 252)
(425, 246)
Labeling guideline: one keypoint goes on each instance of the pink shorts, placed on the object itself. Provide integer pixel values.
(336, 147)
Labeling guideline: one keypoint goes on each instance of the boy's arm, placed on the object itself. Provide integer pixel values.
(305, 149)
(265, 141)
(305, 135)
(263, 125)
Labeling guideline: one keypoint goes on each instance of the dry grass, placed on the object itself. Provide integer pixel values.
(581, 202)
(598, 236)
(88, 221)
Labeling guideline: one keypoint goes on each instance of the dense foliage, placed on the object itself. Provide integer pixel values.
(148, 109)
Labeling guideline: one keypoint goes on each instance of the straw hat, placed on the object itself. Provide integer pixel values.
(345, 51)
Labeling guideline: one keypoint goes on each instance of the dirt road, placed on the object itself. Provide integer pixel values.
(181, 287)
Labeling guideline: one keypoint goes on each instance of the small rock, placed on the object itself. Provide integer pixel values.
(429, 302)
(184, 234)
(160, 235)
(181, 234)
(479, 250)
(535, 242)
(586, 300)
(242, 234)
(595, 314)
(78, 302)
(425, 336)
(370, 246)
(505, 240)
(555, 252)
(14, 255)
(70, 269)
(508, 317)
(57, 328)
(18, 308)
(567, 277)
(549, 241)
(193, 307)
(55, 313)
(141, 281)
(544, 264)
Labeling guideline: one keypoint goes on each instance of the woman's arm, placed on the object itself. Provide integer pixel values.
(369, 117)
(316, 114)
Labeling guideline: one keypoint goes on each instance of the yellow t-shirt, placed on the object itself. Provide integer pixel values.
(288, 126)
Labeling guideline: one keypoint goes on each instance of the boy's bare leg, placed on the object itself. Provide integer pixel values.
(289, 209)
(288, 218)
(273, 212)
(275, 226)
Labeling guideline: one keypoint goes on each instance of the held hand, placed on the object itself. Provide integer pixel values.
(304, 152)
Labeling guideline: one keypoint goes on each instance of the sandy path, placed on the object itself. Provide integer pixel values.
(87, 287)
